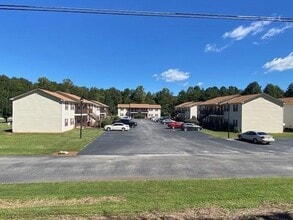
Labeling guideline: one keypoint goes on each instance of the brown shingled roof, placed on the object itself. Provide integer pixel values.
(287, 101)
(188, 104)
(219, 100)
(243, 99)
(133, 105)
(100, 104)
(57, 95)
(74, 97)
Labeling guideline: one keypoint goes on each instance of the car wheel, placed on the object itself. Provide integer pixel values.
(255, 140)
(123, 129)
(108, 129)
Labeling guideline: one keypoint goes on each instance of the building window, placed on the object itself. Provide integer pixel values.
(71, 121)
(66, 122)
(235, 108)
(235, 123)
(72, 106)
(227, 108)
(66, 105)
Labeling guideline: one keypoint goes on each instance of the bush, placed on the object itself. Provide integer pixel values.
(106, 121)
(192, 120)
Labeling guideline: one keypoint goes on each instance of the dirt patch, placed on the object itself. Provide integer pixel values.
(14, 204)
(65, 153)
(265, 212)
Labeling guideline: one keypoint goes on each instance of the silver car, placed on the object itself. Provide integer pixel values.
(117, 127)
(256, 137)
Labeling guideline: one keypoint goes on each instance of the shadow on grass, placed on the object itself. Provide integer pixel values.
(9, 130)
(269, 216)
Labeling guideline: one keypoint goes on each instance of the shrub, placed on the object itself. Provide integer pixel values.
(106, 121)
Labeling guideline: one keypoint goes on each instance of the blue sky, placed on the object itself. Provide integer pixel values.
(106, 51)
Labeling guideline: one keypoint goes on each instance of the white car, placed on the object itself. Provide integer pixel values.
(117, 127)
(256, 137)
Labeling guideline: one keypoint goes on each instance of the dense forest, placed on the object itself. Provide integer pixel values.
(11, 87)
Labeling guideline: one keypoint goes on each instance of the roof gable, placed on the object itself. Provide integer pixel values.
(247, 98)
(49, 94)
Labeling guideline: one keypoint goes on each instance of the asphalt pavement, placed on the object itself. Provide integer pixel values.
(151, 151)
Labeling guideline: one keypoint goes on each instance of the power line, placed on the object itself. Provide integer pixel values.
(142, 13)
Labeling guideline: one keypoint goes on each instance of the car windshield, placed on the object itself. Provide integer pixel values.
(262, 133)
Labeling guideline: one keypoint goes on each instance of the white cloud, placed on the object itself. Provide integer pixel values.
(241, 32)
(275, 31)
(199, 84)
(172, 75)
(280, 64)
(211, 48)
(215, 48)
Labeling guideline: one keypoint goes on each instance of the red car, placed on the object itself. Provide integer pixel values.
(175, 124)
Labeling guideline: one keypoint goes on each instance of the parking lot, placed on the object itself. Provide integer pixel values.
(156, 139)
(151, 151)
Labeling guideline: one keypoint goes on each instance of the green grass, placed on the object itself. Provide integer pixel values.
(224, 134)
(220, 134)
(43, 144)
(132, 197)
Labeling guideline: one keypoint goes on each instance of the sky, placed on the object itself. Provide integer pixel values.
(107, 51)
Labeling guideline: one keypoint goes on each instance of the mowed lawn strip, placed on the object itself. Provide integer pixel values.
(233, 135)
(120, 198)
(44, 144)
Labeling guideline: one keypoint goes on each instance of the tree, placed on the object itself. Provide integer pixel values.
(181, 97)
(274, 91)
(149, 98)
(66, 86)
(166, 100)
(211, 92)
(194, 94)
(138, 95)
(112, 99)
(289, 91)
(252, 88)
(126, 96)
(44, 83)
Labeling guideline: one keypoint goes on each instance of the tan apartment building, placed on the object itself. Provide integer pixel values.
(250, 112)
(44, 111)
(188, 109)
(288, 112)
(142, 110)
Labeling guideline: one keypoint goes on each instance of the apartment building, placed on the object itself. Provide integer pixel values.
(139, 110)
(43, 111)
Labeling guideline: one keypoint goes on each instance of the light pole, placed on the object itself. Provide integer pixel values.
(81, 107)
(228, 121)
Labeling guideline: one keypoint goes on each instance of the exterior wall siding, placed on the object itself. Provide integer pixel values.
(288, 116)
(261, 114)
(234, 116)
(67, 114)
(193, 112)
(36, 113)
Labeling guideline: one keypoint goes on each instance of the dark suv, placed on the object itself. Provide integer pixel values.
(128, 122)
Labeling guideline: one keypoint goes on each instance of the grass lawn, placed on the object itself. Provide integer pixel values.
(86, 199)
(224, 134)
(44, 144)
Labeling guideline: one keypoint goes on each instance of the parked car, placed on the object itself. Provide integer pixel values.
(166, 121)
(175, 124)
(128, 122)
(190, 127)
(256, 137)
(117, 127)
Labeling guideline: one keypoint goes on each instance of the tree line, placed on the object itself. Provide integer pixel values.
(11, 87)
